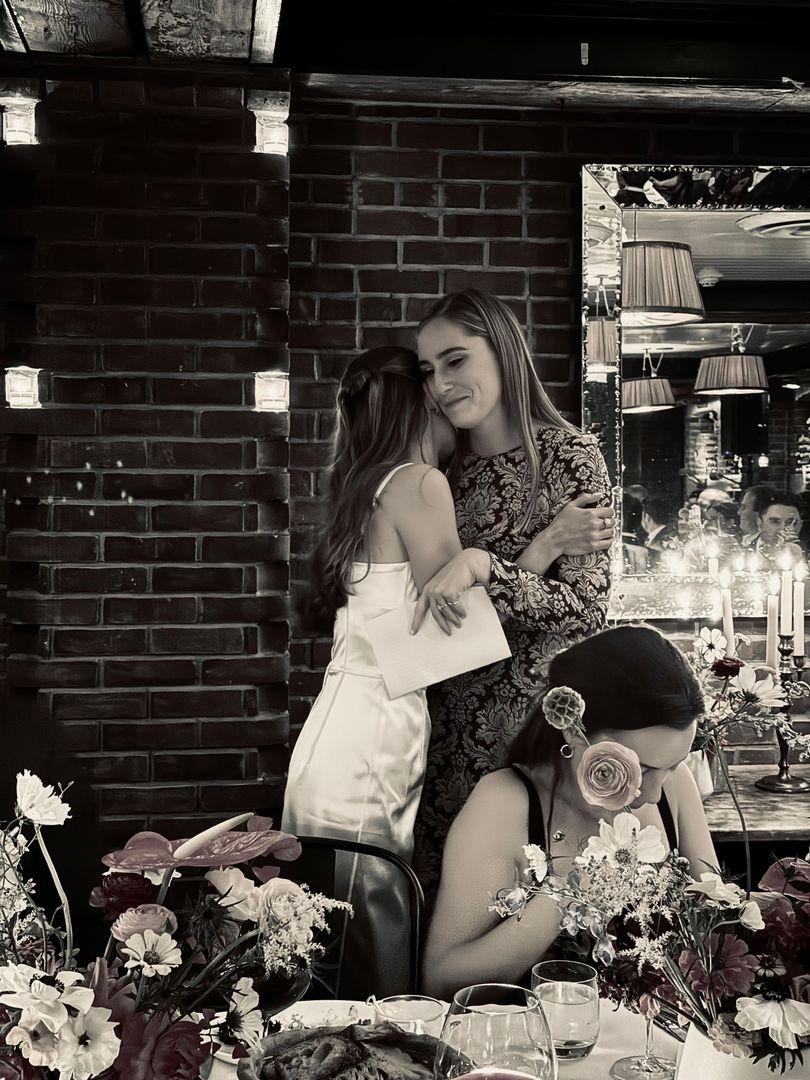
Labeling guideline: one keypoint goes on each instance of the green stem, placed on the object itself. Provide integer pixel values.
(68, 964)
(164, 885)
(683, 988)
(39, 915)
(221, 956)
(733, 792)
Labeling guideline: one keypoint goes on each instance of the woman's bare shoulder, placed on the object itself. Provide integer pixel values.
(499, 797)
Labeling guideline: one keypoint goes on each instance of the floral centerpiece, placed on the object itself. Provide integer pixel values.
(178, 981)
(734, 968)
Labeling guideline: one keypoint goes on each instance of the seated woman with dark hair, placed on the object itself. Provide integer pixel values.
(638, 691)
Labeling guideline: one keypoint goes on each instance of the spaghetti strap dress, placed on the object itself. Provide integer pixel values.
(356, 773)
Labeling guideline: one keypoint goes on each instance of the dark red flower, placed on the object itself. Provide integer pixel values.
(118, 892)
(178, 1053)
(726, 667)
(15, 1067)
(732, 967)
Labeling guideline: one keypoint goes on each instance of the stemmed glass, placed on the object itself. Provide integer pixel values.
(495, 1031)
(646, 1066)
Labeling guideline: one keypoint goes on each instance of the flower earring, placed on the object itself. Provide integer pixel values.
(563, 709)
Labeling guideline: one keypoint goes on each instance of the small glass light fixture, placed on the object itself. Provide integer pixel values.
(22, 387)
(602, 347)
(18, 120)
(791, 386)
(763, 461)
(649, 393)
(271, 109)
(659, 287)
(272, 391)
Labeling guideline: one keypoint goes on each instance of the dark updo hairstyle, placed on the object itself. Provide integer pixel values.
(631, 677)
(380, 413)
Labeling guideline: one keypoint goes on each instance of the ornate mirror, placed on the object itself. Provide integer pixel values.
(696, 378)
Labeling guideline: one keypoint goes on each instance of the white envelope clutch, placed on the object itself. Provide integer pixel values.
(413, 661)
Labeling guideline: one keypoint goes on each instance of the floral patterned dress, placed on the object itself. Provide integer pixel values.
(474, 716)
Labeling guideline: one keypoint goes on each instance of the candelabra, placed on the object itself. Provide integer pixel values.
(783, 782)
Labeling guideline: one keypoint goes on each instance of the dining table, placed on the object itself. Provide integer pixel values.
(621, 1034)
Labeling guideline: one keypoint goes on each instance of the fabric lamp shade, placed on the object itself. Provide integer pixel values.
(659, 287)
(647, 395)
(734, 373)
(602, 346)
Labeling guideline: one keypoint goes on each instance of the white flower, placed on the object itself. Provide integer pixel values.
(624, 842)
(94, 1046)
(716, 891)
(764, 692)
(538, 863)
(44, 996)
(154, 954)
(711, 645)
(243, 1021)
(37, 1043)
(237, 893)
(751, 916)
(38, 802)
(783, 1019)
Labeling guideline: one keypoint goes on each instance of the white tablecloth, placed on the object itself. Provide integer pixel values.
(621, 1034)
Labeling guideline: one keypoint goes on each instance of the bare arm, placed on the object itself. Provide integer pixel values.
(423, 514)
(694, 839)
(468, 943)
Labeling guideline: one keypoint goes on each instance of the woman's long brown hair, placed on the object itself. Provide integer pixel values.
(380, 413)
(525, 399)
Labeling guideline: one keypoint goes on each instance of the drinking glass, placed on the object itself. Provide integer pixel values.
(644, 1066)
(495, 1031)
(412, 1012)
(568, 992)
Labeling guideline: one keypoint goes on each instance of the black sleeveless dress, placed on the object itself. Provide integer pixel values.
(567, 947)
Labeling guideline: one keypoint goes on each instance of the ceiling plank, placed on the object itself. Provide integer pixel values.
(265, 31)
(198, 29)
(76, 27)
(11, 38)
(658, 94)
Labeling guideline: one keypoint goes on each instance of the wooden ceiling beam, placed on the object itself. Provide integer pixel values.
(266, 16)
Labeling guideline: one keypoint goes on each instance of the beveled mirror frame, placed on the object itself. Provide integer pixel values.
(659, 596)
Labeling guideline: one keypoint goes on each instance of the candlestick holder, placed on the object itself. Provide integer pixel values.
(783, 782)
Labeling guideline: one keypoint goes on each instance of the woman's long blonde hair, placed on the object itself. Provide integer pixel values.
(523, 395)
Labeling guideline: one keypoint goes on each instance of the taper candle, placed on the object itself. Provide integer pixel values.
(771, 633)
(798, 612)
(728, 617)
(786, 600)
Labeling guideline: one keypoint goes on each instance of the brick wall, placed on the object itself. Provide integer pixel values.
(144, 252)
(395, 204)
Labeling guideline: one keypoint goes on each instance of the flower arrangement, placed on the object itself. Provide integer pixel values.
(734, 967)
(177, 981)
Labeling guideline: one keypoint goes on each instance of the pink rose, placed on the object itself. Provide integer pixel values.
(144, 917)
(609, 775)
(272, 891)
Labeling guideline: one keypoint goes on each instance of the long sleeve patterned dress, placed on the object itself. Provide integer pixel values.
(475, 716)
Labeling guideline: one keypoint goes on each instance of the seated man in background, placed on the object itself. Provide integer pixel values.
(755, 499)
(659, 524)
(779, 525)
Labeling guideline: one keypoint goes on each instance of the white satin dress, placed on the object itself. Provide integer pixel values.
(356, 773)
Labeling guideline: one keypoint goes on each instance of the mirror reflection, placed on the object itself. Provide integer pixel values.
(697, 376)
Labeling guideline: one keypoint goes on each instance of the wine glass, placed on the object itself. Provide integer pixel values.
(412, 1012)
(644, 1066)
(495, 1031)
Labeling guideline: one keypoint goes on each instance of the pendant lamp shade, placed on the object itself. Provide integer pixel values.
(602, 346)
(647, 395)
(734, 373)
(659, 287)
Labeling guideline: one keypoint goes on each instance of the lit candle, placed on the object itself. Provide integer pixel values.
(771, 646)
(739, 564)
(798, 611)
(786, 601)
(753, 562)
(725, 604)
(712, 552)
(684, 601)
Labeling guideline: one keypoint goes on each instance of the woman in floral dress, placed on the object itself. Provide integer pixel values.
(517, 463)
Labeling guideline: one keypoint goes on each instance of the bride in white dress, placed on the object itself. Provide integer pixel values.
(357, 769)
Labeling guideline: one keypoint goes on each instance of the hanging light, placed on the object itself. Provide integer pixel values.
(602, 347)
(733, 372)
(649, 393)
(659, 287)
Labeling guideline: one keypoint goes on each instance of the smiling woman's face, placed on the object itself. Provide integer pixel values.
(660, 750)
(461, 372)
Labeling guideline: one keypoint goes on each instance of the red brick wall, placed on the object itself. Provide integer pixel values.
(395, 204)
(144, 249)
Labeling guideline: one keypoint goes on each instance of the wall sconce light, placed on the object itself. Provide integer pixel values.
(272, 391)
(18, 120)
(271, 109)
(22, 387)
